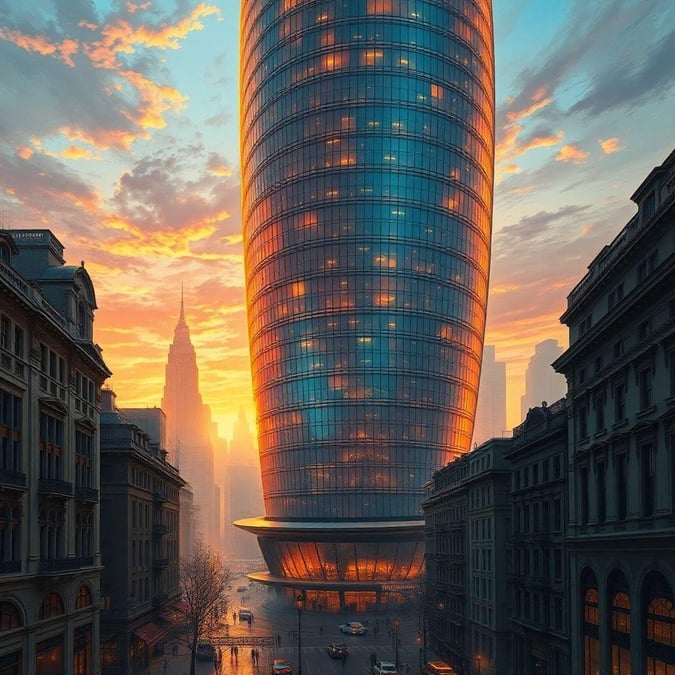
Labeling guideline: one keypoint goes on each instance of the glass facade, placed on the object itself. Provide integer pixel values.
(367, 162)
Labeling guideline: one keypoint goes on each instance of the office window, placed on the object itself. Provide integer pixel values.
(583, 496)
(582, 416)
(602, 491)
(619, 402)
(621, 486)
(645, 384)
(648, 477)
(599, 407)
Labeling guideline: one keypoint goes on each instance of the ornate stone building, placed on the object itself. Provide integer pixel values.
(140, 553)
(51, 372)
(538, 556)
(620, 369)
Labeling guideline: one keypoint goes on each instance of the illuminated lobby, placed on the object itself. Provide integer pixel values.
(367, 154)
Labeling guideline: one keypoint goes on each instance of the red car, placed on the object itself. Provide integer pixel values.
(281, 667)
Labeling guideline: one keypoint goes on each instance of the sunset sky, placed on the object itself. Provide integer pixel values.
(119, 132)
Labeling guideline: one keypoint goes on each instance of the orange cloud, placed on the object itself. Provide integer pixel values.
(76, 152)
(24, 152)
(220, 170)
(156, 99)
(511, 168)
(571, 153)
(121, 37)
(539, 100)
(39, 44)
(610, 145)
(131, 7)
(510, 147)
(103, 139)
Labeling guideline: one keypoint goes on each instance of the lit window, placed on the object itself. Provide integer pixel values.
(371, 57)
(436, 91)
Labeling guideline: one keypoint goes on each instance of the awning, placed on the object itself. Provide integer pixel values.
(150, 633)
(172, 616)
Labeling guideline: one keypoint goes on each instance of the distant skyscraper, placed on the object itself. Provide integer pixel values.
(189, 428)
(367, 163)
(243, 490)
(542, 383)
(491, 411)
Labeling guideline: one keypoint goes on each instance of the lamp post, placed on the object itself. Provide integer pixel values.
(396, 625)
(299, 605)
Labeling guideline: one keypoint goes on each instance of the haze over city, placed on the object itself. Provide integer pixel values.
(120, 134)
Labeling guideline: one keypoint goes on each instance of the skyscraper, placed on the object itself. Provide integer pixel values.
(188, 424)
(367, 163)
(542, 383)
(491, 410)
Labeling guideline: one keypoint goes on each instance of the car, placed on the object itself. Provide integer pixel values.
(205, 651)
(338, 650)
(281, 667)
(438, 668)
(245, 614)
(242, 589)
(385, 668)
(353, 628)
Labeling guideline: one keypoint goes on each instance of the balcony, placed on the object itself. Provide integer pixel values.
(159, 497)
(160, 563)
(86, 494)
(54, 486)
(158, 530)
(12, 480)
(58, 565)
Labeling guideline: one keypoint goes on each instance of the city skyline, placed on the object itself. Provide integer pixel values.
(131, 157)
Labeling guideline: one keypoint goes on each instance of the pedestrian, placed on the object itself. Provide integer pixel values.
(252, 654)
(175, 648)
(250, 619)
(278, 640)
(234, 617)
(257, 657)
(164, 667)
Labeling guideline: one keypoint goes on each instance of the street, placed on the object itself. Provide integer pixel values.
(279, 621)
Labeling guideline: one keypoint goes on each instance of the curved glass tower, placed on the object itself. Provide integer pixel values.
(367, 160)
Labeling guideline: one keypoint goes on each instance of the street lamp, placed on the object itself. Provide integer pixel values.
(299, 605)
(396, 625)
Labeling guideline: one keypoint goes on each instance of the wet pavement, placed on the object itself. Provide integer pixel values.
(278, 622)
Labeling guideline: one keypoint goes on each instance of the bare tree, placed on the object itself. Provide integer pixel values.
(204, 579)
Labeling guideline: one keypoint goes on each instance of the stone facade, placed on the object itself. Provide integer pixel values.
(51, 372)
(620, 369)
(538, 557)
(140, 514)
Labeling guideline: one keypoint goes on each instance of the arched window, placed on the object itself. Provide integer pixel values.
(83, 597)
(591, 624)
(619, 628)
(10, 616)
(660, 628)
(52, 605)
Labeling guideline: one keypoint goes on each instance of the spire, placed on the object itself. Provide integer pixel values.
(182, 306)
